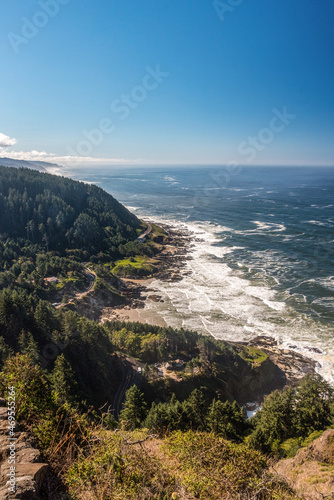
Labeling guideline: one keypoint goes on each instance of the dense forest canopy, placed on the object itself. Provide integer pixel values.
(57, 213)
(71, 373)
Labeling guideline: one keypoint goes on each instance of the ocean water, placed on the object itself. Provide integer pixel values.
(263, 251)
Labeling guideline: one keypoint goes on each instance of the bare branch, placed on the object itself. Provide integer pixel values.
(142, 440)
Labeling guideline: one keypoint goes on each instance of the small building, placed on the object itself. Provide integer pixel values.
(52, 279)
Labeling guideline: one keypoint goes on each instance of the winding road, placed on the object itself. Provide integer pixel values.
(92, 279)
(145, 233)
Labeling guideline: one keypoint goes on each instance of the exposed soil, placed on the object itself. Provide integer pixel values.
(311, 471)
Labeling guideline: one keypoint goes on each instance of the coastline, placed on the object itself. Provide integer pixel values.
(129, 315)
(294, 365)
(172, 259)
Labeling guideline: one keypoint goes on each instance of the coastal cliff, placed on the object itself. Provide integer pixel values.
(94, 389)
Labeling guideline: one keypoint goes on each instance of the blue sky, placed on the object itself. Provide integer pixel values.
(168, 81)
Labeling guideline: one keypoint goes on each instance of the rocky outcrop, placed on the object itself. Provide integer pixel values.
(254, 383)
(29, 472)
(291, 363)
(311, 472)
(282, 367)
(155, 298)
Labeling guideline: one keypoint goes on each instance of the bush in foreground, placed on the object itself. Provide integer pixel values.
(139, 466)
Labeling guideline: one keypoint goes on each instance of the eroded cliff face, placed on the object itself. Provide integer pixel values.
(281, 367)
(311, 472)
(273, 369)
(254, 382)
(294, 365)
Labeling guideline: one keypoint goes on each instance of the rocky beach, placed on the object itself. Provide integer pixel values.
(174, 254)
(170, 265)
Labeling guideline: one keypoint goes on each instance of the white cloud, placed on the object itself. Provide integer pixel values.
(65, 161)
(69, 161)
(6, 141)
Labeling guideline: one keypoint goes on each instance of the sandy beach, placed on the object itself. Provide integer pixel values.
(130, 315)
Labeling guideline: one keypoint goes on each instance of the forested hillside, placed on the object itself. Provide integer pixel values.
(58, 213)
(50, 226)
(125, 410)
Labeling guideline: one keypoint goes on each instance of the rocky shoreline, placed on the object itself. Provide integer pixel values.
(294, 365)
(172, 260)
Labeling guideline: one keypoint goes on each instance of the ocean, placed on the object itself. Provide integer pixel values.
(263, 250)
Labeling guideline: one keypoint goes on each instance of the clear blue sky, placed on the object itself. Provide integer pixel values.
(226, 76)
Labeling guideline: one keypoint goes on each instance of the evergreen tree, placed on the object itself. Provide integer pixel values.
(27, 345)
(226, 419)
(274, 422)
(5, 352)
(134, 408)
(195, 410)
(64, 385)
(166, 417)
(313, 400)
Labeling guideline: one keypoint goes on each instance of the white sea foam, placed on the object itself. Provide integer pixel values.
(319, 223)
(327, 282)
(321, 207)
(270, 226)
(89, 182)
(214, 298)
(132, 208)
(127, 179)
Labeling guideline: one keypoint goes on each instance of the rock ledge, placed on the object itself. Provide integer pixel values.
(29, 471)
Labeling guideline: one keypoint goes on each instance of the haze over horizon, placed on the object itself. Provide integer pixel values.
(167, 82)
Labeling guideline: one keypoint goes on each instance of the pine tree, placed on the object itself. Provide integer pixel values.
(27, 345)
(64, 385)
(226, 419)
(195, 410)
(166, 417)
(314, 397)
(5, 352)
(134, 408)
(274, 422)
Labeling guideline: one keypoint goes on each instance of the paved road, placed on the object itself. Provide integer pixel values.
(92, 278)
(145, 233)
